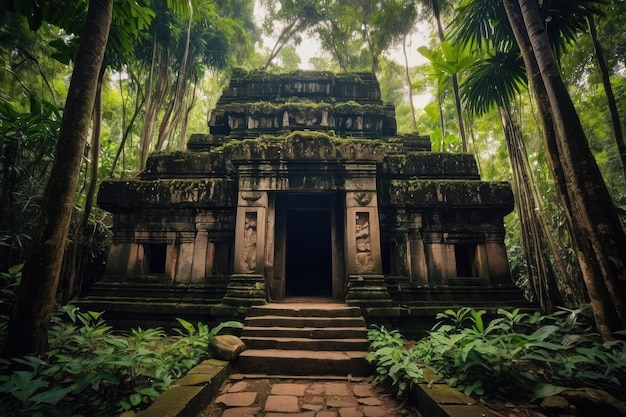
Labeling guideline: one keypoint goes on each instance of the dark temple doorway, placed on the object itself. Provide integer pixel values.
(308, 264)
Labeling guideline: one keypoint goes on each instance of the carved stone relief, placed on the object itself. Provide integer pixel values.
(248, 254)
(363, 198)
(364, 259)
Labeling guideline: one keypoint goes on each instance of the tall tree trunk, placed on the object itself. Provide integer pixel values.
(282, 40)
(127, 132)
(155, 96)
(608, 90)
(459, 111)
(30, 317)
(549, 133)
(174, 116)
(595, 227)
(127, 129)
(81, 227)
(409, 84)
(455, 80)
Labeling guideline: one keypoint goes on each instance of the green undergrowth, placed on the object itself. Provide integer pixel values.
(92, 371)
(515, 354)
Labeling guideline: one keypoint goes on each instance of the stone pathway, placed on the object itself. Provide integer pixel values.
(244, 396)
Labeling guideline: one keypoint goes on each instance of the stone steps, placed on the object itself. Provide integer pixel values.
(305, 309)
(312, 332)
(322, 339)
(283, 321)
(305, 343)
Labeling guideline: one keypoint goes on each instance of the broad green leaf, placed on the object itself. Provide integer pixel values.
(546, 390)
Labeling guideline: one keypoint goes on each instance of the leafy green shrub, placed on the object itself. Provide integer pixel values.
(90, 371)
(394, 364)
(522, 353)
(514, 354)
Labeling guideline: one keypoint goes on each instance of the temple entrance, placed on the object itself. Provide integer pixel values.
(308, 263)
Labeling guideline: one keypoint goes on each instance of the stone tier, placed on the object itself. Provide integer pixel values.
(397, 159)
(258, 103)
(361, 87)
(349, 119)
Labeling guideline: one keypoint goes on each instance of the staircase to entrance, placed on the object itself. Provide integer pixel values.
(305, 338)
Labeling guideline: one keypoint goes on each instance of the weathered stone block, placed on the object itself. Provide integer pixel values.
(226, 347)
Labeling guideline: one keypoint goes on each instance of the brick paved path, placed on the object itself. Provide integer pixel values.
(251, 397)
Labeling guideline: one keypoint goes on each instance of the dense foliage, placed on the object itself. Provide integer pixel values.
(514, 354)
(92, 371)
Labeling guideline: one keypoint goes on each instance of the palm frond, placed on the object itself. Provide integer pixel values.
(493, 81)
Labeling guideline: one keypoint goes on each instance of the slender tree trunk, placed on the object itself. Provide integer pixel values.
(187, 117)
(80, 230)
(440, 32)
(174, 115)
(593, 222)
(155, 96)
(608, 90)
(539, 249)
(409, 84)
(282, 40)
(30, 317)
(125, 136)
(459, 112)
(455, 80)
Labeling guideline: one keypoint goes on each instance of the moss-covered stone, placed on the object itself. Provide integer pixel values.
(452, 193)
(432, 165)
(120, 195)
(309, 145)
(185, 164)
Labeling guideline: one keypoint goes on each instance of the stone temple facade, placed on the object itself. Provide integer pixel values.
(303, 188)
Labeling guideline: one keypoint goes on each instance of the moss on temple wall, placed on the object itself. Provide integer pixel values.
(119, 195)
(262, 148)
(309, 145)
(278, 107)
(451, 193)
(365, 149)
(395, 161)
(181, 164)
(432, 165)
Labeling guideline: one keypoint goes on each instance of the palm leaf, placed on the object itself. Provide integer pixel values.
(494, 81)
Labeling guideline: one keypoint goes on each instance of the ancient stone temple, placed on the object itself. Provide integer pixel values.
(302, 187)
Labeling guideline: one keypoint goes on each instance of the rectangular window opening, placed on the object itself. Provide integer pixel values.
(155, 256)
(465, 255)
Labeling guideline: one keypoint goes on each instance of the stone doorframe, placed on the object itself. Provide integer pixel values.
(257, 244)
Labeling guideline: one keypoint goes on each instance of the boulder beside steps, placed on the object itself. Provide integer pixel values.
(305, 339)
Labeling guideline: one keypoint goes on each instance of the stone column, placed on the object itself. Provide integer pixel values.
(498, 264)
(250, 233)
(200, 247)
(440, 259)
(247, 285)
(416, 252)
(185, 256)
(204, 249)
(366, 284)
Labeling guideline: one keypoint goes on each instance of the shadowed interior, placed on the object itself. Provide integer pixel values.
(309, 258)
